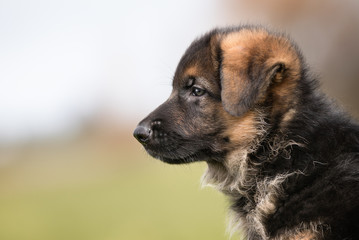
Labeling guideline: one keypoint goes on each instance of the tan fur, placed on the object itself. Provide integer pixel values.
(192, 71)
(242, 39)
(236, 48)
(287, 117)
(244, 129)
(270, 50)
(304, 236)
(305, 231)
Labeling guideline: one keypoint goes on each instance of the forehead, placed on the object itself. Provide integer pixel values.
(197, 62)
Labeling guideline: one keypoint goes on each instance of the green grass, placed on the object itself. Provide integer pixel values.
(118, 194)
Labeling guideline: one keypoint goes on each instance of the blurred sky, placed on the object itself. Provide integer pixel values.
(63, 62)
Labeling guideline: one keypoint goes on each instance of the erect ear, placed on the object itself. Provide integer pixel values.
(253, 60)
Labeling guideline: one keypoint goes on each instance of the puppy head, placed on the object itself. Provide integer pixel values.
(225, 84)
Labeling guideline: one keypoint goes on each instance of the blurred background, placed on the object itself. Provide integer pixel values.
(77, 76)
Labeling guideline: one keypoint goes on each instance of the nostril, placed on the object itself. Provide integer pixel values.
(142, 134)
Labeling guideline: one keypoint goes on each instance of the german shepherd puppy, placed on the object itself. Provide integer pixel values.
(288, 158)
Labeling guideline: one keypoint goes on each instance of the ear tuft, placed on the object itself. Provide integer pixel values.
(276, 74)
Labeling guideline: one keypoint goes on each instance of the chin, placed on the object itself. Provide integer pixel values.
(177, 158)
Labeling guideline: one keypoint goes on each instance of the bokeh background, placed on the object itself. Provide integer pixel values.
(77, 76)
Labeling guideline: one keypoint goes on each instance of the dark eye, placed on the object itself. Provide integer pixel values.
(197, 92)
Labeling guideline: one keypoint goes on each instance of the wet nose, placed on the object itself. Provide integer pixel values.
(142, 134)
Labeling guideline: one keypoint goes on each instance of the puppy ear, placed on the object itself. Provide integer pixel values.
(253, 60)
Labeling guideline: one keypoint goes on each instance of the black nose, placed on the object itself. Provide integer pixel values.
(142, 134)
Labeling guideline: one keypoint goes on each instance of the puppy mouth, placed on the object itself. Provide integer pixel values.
(173, 157)
(170, 146)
